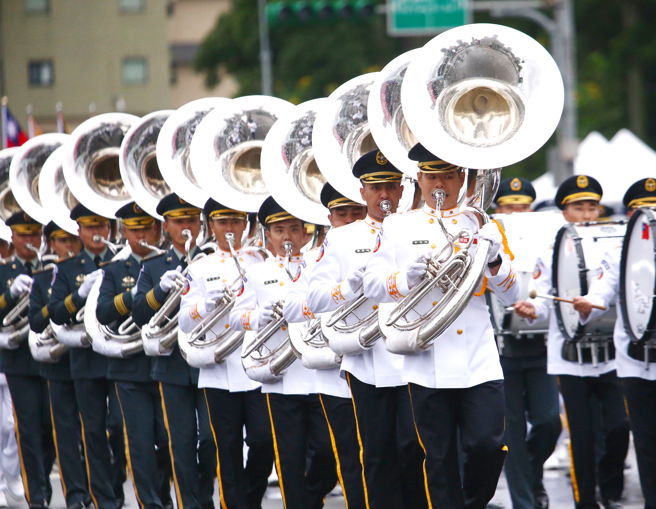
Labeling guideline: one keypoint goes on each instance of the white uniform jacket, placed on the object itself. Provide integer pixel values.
(465, 354)
(215, 271)
(542, 282)
(268, 282)
(604, 291)
(346, 249)
(327, 381)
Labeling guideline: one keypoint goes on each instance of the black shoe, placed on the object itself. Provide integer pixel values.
(167, 505)
(611, 504)
(541, 499)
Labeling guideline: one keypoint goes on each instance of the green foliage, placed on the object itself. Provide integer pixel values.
(309, 61)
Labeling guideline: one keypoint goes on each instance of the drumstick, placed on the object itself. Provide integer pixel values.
(533, 294)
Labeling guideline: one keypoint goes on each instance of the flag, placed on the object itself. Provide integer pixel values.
(645, 231)
(61, 123)
(33, 128)
(12, 133)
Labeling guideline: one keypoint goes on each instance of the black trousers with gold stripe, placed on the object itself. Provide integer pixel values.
(641, 399)
(241, 487)
(346, 446)
(29, 395)
(392, 455)
(300, 436)
(191, 445)
(146, 442)
(579, 395)
(102, 430)
(68, 441)
(477, 412)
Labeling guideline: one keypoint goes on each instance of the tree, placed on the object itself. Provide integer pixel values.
(309, 61)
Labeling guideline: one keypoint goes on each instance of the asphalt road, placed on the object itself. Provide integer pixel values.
(556, 479)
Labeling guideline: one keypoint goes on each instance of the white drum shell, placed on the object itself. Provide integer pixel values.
(578, 252)
(638, 275)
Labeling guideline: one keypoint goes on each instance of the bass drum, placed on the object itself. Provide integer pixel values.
(638, 276)
(577, 256)
(529, 234)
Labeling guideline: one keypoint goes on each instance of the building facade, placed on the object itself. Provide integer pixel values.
(98, 56)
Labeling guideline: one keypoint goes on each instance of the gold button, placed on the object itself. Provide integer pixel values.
(222, 261)
(280, 265)
(434, 303)
(375, 307)
(459, 331)
(432, 246)
(373, 231)
(281, 283)
(431, 221)
(227, 326)
(284, 328)
(223, 280)
(454, 221)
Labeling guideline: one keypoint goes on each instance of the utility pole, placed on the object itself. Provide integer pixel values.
(265, 48)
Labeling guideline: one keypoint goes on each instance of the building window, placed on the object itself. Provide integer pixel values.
(131, 5)
(41, 73)
(134, 71)
(37, 6)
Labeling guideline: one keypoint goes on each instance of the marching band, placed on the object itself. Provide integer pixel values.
(157, 326)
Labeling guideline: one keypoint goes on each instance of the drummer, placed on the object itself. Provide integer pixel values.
(530, 392)
(583, 385)
(638, 384)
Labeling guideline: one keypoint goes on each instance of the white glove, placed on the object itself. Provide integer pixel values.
(169, 279)
(416, 270)
(263, 315)
(491, 232)
(86, 285)
(355, 279)
(21, 284)
(133, 291)
(212, 298)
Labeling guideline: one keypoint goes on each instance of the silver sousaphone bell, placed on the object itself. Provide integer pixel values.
(91, 167)
(482, 96)
(8, 205)
(173, 149)
(227, 147)
(138, 163)
(25, 171)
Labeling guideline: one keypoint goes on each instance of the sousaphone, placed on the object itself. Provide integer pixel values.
(479, 96)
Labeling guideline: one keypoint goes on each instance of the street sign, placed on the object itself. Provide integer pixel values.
(425, 17)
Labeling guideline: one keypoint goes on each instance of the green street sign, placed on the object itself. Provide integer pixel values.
(425, 17)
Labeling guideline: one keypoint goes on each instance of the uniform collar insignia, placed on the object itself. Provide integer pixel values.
(372, 222)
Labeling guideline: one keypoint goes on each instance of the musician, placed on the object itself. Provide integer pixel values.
(583, 385)
(97, 404)
(391, 455)
(234, 401)
(66, 430)
(28, 390)
(297, 422)
(190, 442)
(136, 392)
(638, 384)
(530, 393)
(334, 394)
(457, 385)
